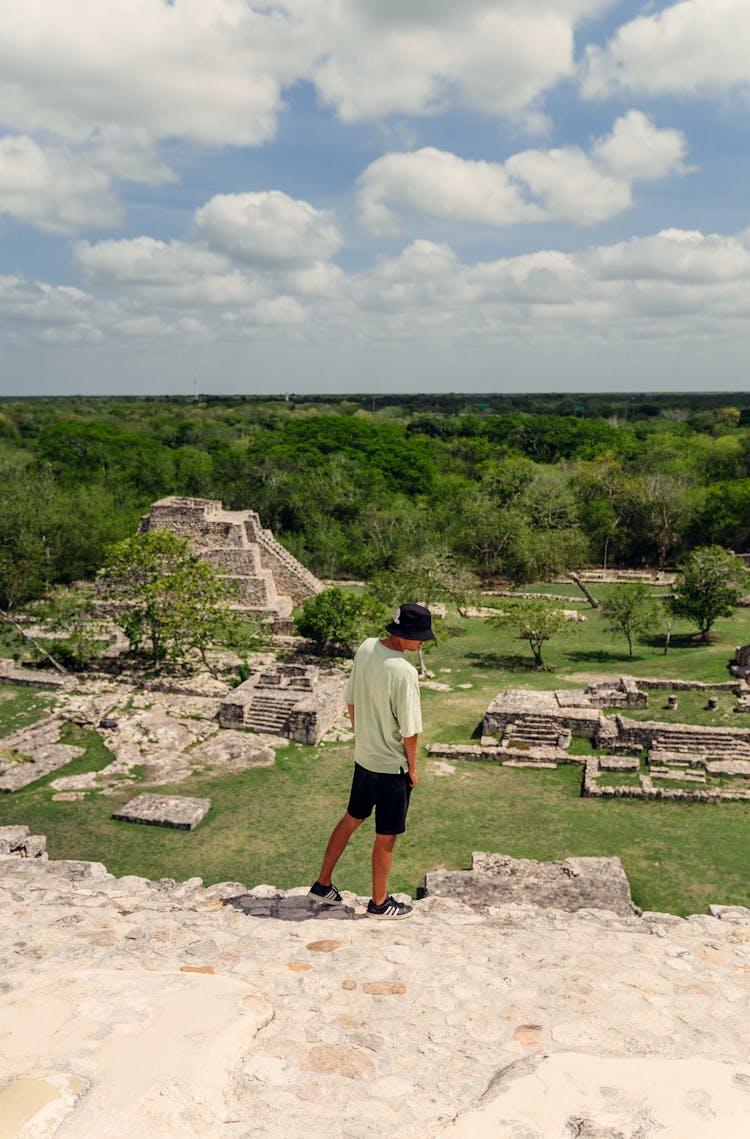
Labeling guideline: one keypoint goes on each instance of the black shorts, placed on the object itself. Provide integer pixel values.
(388, 794)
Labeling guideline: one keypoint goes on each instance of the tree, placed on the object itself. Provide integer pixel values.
(666, 512)
(338, 621)
(708, 586)
(629, 609)
(436, 576)
(168, 601)
(608, 496)
(537, 621)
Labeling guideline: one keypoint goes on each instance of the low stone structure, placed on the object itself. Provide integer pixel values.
(574, 884)
(178, 811)
(687, 790)
(268, 579)
(527, 756)
(555, 715)
(689, 739)
(544, 722)
(297, 701)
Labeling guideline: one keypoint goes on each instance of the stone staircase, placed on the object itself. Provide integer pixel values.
(700, 743)
(535, 730)
(269, 713)
(303, 582)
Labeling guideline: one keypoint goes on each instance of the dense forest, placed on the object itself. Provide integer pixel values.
(514, 487)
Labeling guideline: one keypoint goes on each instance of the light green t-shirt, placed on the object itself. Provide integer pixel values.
(384, 689)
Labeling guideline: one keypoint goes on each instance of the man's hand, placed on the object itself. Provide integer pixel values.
(413, 777)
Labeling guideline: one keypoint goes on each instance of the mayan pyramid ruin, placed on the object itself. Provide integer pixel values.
(270, 581)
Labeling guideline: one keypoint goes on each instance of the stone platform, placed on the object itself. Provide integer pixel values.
(137, 1008)
(177, 811)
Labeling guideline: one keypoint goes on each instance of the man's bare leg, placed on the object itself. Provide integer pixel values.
(382, 857)
(340, 836)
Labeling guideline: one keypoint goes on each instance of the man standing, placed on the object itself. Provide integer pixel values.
(382, 696)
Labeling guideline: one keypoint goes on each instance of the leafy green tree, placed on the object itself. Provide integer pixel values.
(435, 576)
(537, 621)
(630, 609)
(709, 585)
(608, 497)
(169, 602)
(338, 621)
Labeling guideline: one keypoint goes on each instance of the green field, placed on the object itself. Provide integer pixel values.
(270, 824)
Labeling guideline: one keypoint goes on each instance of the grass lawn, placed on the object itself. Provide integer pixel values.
(20, 707)
(271, 824)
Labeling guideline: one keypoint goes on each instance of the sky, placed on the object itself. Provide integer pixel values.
(374, 196)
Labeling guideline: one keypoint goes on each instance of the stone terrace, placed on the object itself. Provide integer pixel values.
(139, 1008)
(270, 581)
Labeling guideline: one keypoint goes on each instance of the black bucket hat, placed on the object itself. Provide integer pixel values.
(412, 622)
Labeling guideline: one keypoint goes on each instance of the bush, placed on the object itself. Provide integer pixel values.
(338, 621)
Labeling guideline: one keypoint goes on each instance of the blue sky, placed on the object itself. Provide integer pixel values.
(374, 195)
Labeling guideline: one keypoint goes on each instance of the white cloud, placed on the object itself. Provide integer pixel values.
(35, 310)
(431, 181)
(144, 260)
(214, 71)
(267, 228)
(693, 47)
(563, 183)
(52, 188)
(677, 286)
(380, 58)
(206, 70)
(636, 149)
(570, 185)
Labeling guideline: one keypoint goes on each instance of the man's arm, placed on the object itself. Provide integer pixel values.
(350, 710)
(410, 751)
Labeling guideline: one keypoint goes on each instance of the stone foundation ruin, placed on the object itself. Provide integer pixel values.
(268, 579)
(642, 758)
(297, 701)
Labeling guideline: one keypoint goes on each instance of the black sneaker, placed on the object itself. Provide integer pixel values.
(389, 909)
(326, 895)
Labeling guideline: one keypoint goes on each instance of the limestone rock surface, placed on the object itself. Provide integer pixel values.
(168, 1010)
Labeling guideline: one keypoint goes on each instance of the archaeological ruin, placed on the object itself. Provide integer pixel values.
(294, 700)
(651, 759)
(268, 579)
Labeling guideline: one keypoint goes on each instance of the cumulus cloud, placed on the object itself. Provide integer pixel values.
(267, 228)
(637, 150)
(214, 71)
(52, 188)
(431, 181)
(533, 185)
(144, 260)
(689, 48)
(675, 284)
(381, 58)
(206, 70)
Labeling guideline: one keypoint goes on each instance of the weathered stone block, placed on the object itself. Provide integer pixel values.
(575, 884)
(177, 811)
